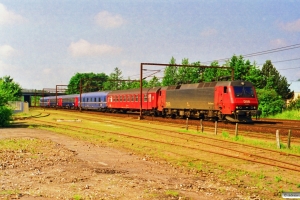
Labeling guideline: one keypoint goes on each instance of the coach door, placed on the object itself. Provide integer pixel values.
(60, 102)
(76, 102)
(222, 99)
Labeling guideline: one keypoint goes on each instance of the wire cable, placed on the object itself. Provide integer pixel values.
(294, 46)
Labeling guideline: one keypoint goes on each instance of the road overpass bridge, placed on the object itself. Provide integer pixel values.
(32, 95)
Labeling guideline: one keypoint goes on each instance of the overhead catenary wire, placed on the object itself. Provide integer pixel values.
(285, 48)
(294, 46)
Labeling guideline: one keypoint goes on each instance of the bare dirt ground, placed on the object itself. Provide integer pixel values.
(66, 168)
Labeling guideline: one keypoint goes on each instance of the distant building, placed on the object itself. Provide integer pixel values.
(295, 86)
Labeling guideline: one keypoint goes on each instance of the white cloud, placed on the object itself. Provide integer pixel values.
(127, 63)
(84, 48)
(108, 20)
(6, 50)
(209, 32)
(9, 17)
(278, 42)
(291, 26)
(47, 71)
(7, 70)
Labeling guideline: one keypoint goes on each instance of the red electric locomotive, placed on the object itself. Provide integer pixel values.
(234, 101)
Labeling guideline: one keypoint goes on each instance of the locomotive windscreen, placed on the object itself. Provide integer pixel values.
(243, 91)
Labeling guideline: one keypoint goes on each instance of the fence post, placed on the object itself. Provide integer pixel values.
(187, 124)
(201, 125)
(277, 139)
(216, 126)
(289, 139)
(236, 129)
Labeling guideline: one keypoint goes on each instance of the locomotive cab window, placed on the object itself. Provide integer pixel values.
(241, 91)
(225, 90)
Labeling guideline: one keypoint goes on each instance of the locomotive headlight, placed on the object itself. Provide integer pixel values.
(236, 107)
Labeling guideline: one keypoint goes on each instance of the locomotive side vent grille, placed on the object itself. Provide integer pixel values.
(206, 84)
(172, 87)
(200, 85)
(212, 84)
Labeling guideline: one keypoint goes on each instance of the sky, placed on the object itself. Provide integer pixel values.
(43, 43)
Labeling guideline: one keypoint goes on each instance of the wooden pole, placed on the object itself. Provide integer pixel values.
(216, 127)
(236, 129)
(187, 124)
(277, 139)
(201, 125)
(289, 139)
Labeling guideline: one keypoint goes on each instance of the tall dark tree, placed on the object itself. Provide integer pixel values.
(271, 79)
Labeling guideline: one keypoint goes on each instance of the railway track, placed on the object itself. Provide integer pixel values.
(211, 148)
(261, 129)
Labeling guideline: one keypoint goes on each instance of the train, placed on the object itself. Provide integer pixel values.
(231, 101)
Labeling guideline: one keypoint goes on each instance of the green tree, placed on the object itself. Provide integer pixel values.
(270, 102)
(90, 82)
(214, 74)
(185, 73)
(240, 66)
(255, 76)
(131, 84)
(170, 74)
(154, 82)
(210, 74)
(9, 91)
(114, 81)
(271, 79)
(12, 90)
(196, 75)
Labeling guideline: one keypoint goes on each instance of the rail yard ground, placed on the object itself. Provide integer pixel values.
(63, 155)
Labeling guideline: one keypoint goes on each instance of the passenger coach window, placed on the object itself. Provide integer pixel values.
(145, 98)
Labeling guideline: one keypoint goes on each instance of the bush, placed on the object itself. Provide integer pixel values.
(5, 116)
(270, 103)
